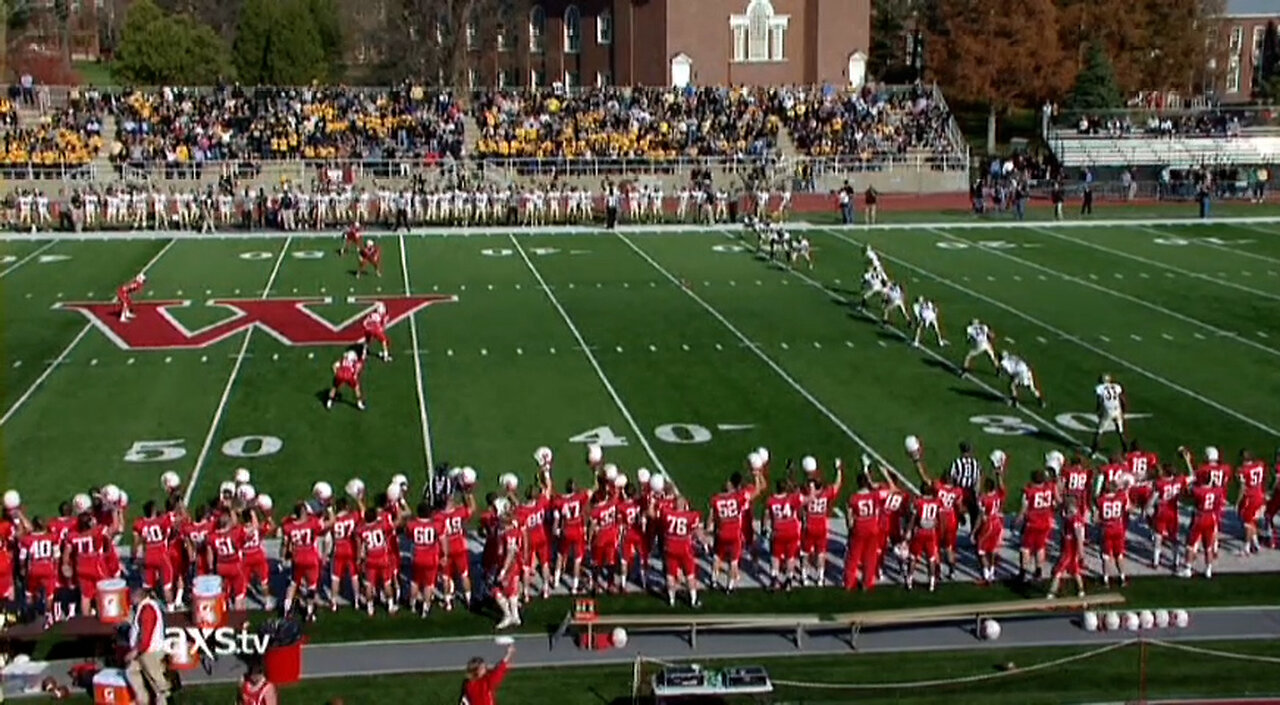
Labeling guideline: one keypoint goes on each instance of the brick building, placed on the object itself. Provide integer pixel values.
(678, 42)
(1241, 30)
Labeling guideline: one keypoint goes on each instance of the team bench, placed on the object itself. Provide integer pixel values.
(797, 624)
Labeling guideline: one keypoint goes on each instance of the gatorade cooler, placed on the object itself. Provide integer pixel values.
(113, 601)
(110, 688)
(283, 664)
(208, 604)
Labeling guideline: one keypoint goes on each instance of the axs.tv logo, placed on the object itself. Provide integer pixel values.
(214, 643)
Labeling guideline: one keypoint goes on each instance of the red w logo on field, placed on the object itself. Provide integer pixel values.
(291, 321)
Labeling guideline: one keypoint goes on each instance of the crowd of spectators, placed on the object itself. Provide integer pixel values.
(59, 140)
(872, 122)
(1211, 123)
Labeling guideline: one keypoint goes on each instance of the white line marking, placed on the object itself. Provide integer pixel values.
(831, 416)
(1104, 339)
(34, 254)
(62, 356)
(17, 364)
(484, 351)
(784, 346)
(1199, 336)
(275, 356)
(449, 352)
(1262, 334)
(130, 361)
(168, 359)
(311, 356)
(93, 362)
(231, 381)
(685, 348)
(653, 348)
(1144, 275)
(423, 418)
(1121, 295)
(818, 345)
(848, 343)
(1041, 339)
(1078, 341)
(519, 351)
(619, 348)
(719, 346)
(591, 358)
(1118, 275)
(1166, 336)
(204, 358)
(490, 286)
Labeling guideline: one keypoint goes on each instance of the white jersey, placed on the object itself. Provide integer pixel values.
(1014, 366)
(873, 261)
(1109, 395)
(893, 295)
(872, 281)
(979, 336)
(926, 311)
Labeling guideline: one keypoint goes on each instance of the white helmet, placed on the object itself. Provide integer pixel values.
(998, 458)
(754, 461)
(170, 481)
(643, 476)
(241, 476)
(355, 488)
(763, 453)
(124, 499)
(620, 481)
(610, 471)
(501, 505)
(1211, 454)
(110, 494)
(657, 483)
(380, 307)
(912, 445)
(142, 277)
(594, 453)
(350, 356)
(400, 479)
(509, 481)
(809, 464)
(543, 456)
(246, 493)
(468, 476)
(975, 322)
(322, 490)
(227, 487)
(12, 500)
(1055, 459)
(455, 472)
(265, 503)
(81, 503)
(368, 241)
(394, 492)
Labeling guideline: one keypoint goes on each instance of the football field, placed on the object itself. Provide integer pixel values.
(676, 351)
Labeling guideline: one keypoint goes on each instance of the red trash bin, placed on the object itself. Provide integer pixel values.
(283, 664)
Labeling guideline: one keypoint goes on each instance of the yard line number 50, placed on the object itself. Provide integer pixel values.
(169, 450)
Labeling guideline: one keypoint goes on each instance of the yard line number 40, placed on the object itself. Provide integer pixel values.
(677, 433)
(165, 451)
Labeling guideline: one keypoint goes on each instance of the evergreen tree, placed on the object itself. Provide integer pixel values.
(278, 43)
(157, 49)
(1095, 87)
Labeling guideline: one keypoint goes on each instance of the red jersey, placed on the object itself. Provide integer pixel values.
(1108, 475)
(227, 544)
(1037, 503)
(893, 501)
(61, 528)
(427, 536)
(376, 538)
(784, 514)
(8, 536)
(1215, 474)
(86, 549)
(40, 552)
(1072, 525)
(572, 510)
(1075, 481)
(726, 512)
(371, 252)
(1253, 477)
(1168, 490)
(1208, 501)
(1113, 511)
(532, 516)
(155, 534)
(817, 507)
(375, 322)
(991, 505)
(632, 514)
(1140, 463)
(352, 233)
(455, 529)
(197, 532)
(132, 286)
(511, 547)
(348, 368)
(865, 507)
(253, 537)
(301, 535)
(927, 510)
(604, 520)
(344, 534)
(678, 529)
(949, 496)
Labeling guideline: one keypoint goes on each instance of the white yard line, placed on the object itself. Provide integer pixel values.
(28, 258)
(755, 348)
(70, 346)
(1050, 427)
(417, 373)
(231, 382)
(1120, 295)
(591, 358)
(1159, 264)
(1075, 339)
(1232, 250)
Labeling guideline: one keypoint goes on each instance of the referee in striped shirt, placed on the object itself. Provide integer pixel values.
(966, 473)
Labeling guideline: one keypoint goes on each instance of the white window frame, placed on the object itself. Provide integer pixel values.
(604, 27)
(569, 80)
(500, 39)
(1237, 39)
(572, 30)
(1233, 75)
(537, 30)
(759, 34)
(534, 79)
(473, 32)
(472, 77)
(1259, 37)
(603, 79)
(777, 42)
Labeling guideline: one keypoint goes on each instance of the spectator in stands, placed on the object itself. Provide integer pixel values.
(844, 197)
(1260, 177)
(868, 123)
(1057, 196)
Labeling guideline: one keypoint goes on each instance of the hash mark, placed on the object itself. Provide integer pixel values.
(1166, 336)
(599, 285)
(1136, 337)
(1118, 275)
(816, 344)
(351, 289)
(93, 362)
(1043, 278)
(275, 356)
(706, 283)
(89, 295)
(882, 343)
(990, 278)
(237, 291)
(17, 364)
(434, 287)
(1042, 340)
(1144, 275)
(1262, 334)
(1269, 273)
(848, 343)
(1247, 274)
(462, 287)
(519, 351)
(1015, 278)
(209, 292)
(179, 293)
(626, 285)
(295, 290)
(517, 286)
(619, 348)
(484, 351)
(1199, 336)
(759, 283)
(1168, 275)
(1104, 339)
(719, 347)
(311, 356)
(653, 348)
(965, 278)
(1011, 340)
(130, 361)
(732, 283)
(449, 352)
(1093, 276)
(379, 290)
(28, 295)
(685, 348)
(324, 290)
(204, 358)
(168, 359)
(784, 345)
(490, 287)
(59, 294)
(570, 285)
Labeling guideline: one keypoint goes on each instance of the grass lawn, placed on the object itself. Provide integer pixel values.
(96, 74)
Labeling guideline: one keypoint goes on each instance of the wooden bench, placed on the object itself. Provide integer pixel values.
(694, 623)
(976, 611)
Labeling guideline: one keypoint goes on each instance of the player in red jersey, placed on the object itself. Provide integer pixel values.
(1212, 471)
(457, 567)
(604, 532)
(861, 560)
(926, 519)
(83, 558)
(989, 531)
(680, 527)
(299, 534)
(532, 515)
(1162, 508)
(1206, 501)
(1036, 519)
(178, 520)
(951, 503)
(569, 511)
(511, 572)
(124, 295)
(225, 544)
(782, 511)
(39, 555)
(342, 563)
(61, 527)
(725, 526)
(351, 238)
(346, 373)
(375, 329)
(1075, 479)
(635, 545)
(1141, 466)
(371, 256)
(750, 491)
(195, 536)
(1252, 475)
(426, 535)
(1113, 524)
(1273, 505)
(1114, 472)
(1071, 559)
(894, 507)
(256, 526)
(819, 500)
(9, 531)
(490, 530)
(375, 538)
(151, 535)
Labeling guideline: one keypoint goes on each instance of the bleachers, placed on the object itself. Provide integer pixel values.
(1075, 150)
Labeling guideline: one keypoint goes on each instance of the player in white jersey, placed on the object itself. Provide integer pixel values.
(722, 207)
(802, 251)
(91, 201)
(762, 202)
(873, 261)
(981, 342)
(784, 205)
(682, 203)
(927, 319)
(43, 215)
(895, 299)
(1020, 376)
(656, 204)
(873, 285)
(482, 206)
(1112, 406)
